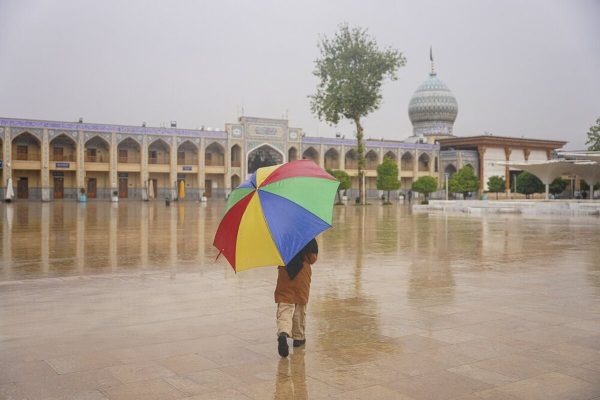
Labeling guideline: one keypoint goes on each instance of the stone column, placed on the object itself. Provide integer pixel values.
(507, 152)
(342, 162)
(45, 238)
(144, 175)
(80, 161)
(45, 171)
(114, 159)
(416, 166)
(481, 150)
(201, 166)
(144, 236)
(80, 239)
(7, 156)
(322, 156)
(173, 169)
(227, 177)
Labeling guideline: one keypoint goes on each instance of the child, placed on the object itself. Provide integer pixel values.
(291, 296)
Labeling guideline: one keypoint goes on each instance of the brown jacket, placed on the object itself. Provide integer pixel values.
(295, 291)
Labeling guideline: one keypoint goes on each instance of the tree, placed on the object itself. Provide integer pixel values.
(594, 137)
(425, 185)
(558, 186)
(464, 181)
(351, 69)
(343, 178)
(387, 176)
(528, 184)
(496, 184)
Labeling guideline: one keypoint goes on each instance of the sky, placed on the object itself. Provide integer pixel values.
(517, 68)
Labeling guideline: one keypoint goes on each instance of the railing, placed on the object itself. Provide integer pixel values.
(96, 158)
(64, 157)
(215, 163)
(406, 166)
(158, 160)
(129, 159)
(28, 157)
(187, 160)
(351, 164)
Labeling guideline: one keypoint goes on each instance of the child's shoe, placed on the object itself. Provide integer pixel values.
(283, 347)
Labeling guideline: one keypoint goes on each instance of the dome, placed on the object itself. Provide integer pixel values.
(432, 108)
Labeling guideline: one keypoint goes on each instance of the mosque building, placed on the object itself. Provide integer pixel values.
(51, 160)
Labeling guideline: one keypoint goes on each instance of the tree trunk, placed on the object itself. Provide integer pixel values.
(388, 196)
(339, 197)
(360, 150)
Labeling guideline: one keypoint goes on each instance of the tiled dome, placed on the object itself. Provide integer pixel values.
(433, 108)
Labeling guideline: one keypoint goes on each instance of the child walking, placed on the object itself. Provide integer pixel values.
(291, 296)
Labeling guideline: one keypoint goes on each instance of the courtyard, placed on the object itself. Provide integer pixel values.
(126, 301)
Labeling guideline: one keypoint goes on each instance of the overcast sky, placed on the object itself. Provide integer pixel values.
(517, 68)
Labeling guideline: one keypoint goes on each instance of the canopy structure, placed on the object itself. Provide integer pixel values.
(549, 170)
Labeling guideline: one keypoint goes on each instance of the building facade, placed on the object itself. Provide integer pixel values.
(51, 160)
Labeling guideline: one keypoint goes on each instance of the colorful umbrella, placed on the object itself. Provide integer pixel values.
(275, 213)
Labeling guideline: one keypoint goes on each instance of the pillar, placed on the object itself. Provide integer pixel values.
(227, 177)
(45, 172)
(507, 152)
(173, 167)
(80, 239)
(80, 177)
(144, 176)
(416, 166)
(481, 150)
(201, 167)
(114, 158)
(322, 156)
(7, 156)
(45, 238)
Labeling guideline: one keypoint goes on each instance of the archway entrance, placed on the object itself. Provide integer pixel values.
(263, 156)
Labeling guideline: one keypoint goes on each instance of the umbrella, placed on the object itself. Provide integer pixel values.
(10, 193)
(181, 193)
(150, 189)
(275, 213)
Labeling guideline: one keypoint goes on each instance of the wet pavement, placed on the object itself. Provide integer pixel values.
(125, 301)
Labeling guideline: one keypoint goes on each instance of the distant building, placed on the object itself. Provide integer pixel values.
(50, 160)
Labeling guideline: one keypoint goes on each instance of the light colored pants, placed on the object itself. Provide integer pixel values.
(291, 320)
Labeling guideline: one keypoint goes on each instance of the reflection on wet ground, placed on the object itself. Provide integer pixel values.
(125, 301)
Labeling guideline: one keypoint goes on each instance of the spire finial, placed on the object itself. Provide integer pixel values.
(431, 58)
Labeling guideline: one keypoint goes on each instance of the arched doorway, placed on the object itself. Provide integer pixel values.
(97, 155)
(263, 156)
(311, 154)
(292, 154)
(159, 152)
(450, 170)
(351, 159)
(332, 159)
(423, 163)
(236, 156)
(235, 181)
(406, 162)
(26, 165)
(391, 155)
(371, 160)
(63, 152)
(187, 153)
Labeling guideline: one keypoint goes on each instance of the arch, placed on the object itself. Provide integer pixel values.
(187, 153)
(128, 151)
(470, 166)
(63, 148)
(26, 147)
(450, 170)
(264, 155)
(97, 149)
(236, 157)
(292, 154)
(390, 154)
(351, 159)
(371, 160)
(214, 155)
(235, 181)
(332, 159)
(424, 163)
(159, 152)
(311, 154)
(407, 162)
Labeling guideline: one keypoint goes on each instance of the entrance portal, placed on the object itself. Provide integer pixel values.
(92, 188)
(23, 188)
(264, 156)
(123, 187)
(59, 187)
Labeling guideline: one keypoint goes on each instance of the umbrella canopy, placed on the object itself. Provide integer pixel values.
(275, 213)
(181, 192)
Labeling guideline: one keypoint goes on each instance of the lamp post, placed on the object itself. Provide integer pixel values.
(446, 176)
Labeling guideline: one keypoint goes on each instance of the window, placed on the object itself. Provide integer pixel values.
(22, 152)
